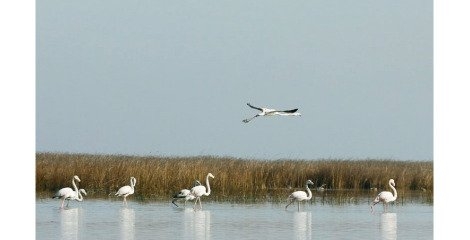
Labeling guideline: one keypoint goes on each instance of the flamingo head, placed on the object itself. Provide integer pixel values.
(133, 180)
(210, 175)
(197, 183)
(83, 191)
(76, 178)
(309, 182)
(392, 182)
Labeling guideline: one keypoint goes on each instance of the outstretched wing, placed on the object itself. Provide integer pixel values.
(257, 108)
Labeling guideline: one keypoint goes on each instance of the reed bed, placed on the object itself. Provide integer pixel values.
(247, 179)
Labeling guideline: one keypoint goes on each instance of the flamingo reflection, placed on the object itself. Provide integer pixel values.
(197, 224)
(69, 223)
(388, 226)
(303, 225)
(127, 223)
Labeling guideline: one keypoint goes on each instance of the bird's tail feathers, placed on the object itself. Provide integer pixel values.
(178, 196)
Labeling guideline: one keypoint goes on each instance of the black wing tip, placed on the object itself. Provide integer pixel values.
(292, 110)
(257, 108)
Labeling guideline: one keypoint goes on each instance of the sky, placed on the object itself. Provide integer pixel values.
(173, 78)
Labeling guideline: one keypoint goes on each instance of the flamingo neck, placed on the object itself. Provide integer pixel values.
(208, 186)
(309, 193)
(74, 185)
(80, 197)
(394, 191)
(132, 183)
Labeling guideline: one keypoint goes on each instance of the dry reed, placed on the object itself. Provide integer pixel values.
(160, 177)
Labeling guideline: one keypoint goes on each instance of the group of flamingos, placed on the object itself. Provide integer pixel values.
(200, 190)
(195, 193)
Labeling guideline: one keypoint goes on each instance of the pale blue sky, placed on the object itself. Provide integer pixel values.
(173, 78)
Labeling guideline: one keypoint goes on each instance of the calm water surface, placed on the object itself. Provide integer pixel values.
(109, 219)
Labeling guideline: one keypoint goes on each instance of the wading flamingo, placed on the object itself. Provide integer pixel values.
(67, 193)
(300, 195)
(271, 112)
(199, 191)
(185, 194)
(385, 197)
(322, 187)
(126, 190)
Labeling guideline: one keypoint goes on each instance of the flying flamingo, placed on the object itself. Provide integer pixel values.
(385, 197)
(126, 190)
(271, 112)
(67, 193)
(186, 194)
(300, 195)
(199, 191)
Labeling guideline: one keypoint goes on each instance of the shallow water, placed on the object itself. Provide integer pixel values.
(110, 219)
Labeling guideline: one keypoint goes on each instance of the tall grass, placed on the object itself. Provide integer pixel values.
(160, 177)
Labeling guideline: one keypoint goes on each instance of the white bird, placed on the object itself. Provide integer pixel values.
(272, 112)
(68, 193)
(385, 197)
(185, 194)
(300, 195)
(126, 190)
(322, 187)
(199, 191)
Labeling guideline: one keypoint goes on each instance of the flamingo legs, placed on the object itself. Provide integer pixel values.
(291, 201)
(385, 206)
(298, 204)
(195, 202)
(200, 204)
(63, 201)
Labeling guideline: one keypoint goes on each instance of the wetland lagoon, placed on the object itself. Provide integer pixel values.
(247, 201)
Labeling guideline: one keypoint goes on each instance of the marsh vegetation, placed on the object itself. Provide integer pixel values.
(236, 179)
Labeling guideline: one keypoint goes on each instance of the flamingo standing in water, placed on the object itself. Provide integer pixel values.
(322, 187)
(68, 193)
(126, 190)
(300, 195)
(199, 191)
(185, 194)
(385, 197)
(271, 112)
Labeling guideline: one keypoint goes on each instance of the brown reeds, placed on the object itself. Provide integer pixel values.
(160, 177)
